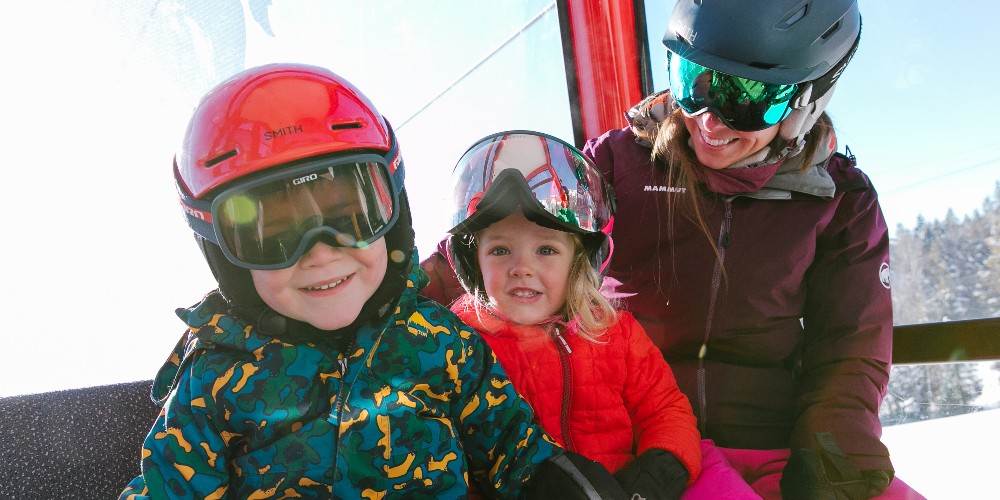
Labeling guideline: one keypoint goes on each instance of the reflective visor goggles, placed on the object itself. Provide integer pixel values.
(551, 181)
(742, 104)
(270, 221)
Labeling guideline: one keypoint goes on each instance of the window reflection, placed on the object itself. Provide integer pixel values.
(107, 247)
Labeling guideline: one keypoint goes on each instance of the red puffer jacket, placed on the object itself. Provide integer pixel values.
(608, 401)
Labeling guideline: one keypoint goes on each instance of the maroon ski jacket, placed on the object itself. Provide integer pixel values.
(788, 335)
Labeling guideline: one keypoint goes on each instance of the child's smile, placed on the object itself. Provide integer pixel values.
(327, 286)
(524, 293)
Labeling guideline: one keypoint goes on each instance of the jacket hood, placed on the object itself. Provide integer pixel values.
(213, 324)
(771, 174)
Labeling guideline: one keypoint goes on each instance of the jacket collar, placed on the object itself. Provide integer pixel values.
(212, 323)
(764, 175)
(488, 321)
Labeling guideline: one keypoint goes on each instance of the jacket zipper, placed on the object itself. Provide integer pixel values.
(567, 392)
(339, 405)
(716, 282)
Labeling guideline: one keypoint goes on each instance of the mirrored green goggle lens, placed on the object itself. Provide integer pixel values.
(743, 104)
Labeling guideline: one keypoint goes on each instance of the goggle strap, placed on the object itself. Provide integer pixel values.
(198, 215)
(804, 98)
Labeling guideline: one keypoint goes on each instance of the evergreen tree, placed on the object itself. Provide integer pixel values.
(922, 392)
(908, 291)
(990, 274)
(944, 270)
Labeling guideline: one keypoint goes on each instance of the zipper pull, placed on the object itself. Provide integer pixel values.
(343, 365)
(562, 341)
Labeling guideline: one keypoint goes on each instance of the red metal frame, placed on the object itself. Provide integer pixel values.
(606, 52)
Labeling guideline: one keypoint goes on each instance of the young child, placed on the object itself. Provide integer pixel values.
(315, 370)
(530, 234)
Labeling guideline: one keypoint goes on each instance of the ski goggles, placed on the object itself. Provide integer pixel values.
(742, 104)
(552, 182)
(270, 221)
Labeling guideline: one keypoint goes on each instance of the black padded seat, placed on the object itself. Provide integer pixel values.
(79, 443)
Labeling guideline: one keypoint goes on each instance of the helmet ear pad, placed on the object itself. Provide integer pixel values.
(599, 248)
(235, 283)
(461, 250)
(801, 120)
(400, 239)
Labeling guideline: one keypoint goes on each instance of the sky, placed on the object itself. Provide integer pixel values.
(98, 255)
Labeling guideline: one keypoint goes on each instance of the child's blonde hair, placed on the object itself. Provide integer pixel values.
(594, 313)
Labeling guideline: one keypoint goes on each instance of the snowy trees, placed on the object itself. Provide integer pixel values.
(943, 271)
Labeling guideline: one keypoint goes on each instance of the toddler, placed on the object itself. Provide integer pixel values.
(531, 224)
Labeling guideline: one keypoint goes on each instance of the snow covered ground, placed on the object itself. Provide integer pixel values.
(949, 458)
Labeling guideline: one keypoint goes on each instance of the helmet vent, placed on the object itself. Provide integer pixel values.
(793, 17)
(342, 126)
(221, 158)
(833, 29)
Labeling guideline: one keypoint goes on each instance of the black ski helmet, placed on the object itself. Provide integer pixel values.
(805, 42)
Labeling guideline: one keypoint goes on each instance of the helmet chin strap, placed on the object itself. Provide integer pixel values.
(804, 115)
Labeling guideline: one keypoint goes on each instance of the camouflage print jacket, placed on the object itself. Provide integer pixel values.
(417, 407)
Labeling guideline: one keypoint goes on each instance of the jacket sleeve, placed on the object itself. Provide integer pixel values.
(661, 414)
(184, 455)
(504, 444)
(443, 287)
(847, 348)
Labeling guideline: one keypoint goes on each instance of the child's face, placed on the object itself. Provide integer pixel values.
(525, 268)
(327, 286)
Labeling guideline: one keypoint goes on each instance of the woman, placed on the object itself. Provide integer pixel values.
(754, 255)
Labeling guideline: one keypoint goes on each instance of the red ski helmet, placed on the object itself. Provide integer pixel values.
(275, 114)
(287, 129)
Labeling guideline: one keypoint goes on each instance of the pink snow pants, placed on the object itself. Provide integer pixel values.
(754, 474)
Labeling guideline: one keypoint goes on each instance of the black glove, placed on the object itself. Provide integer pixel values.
(828, 474)
(656, 474)
(572, 476)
